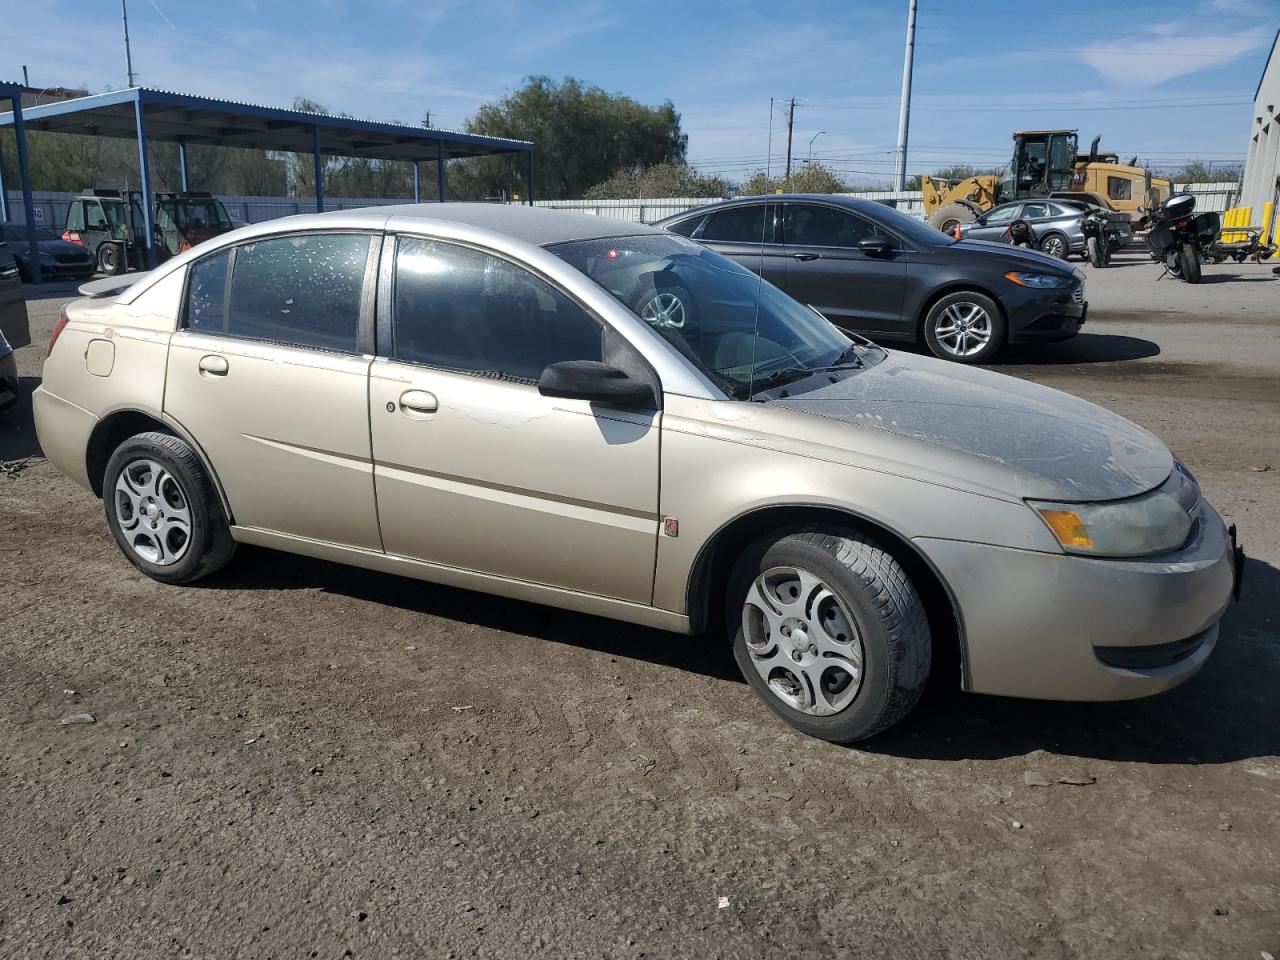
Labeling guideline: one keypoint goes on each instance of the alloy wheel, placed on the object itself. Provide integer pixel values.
(802, 641)
(963, 329)
(664, 310)
(153, 512)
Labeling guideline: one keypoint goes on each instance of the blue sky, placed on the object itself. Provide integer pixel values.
(1177, 84)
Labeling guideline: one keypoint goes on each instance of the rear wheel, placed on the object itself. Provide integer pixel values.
(830, 632)
(1094, 248)
(110, 261)
(163, 510)
(964, 326)
(946, 218)
(1189, 263)
(1056, 245)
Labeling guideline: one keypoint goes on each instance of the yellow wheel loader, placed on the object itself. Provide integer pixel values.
(1045, 164)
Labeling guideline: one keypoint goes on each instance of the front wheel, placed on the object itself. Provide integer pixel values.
(965, 327)
(1189, 263)
(830, 632)
(110, 260)
(163, 510)
(1094, 249)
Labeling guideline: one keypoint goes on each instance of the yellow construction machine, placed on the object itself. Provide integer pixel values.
(1045, 164)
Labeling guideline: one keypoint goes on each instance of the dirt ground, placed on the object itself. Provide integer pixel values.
(296, 759)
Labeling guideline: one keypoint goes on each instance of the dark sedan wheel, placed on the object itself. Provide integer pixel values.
(965, 326)
(1055, 245)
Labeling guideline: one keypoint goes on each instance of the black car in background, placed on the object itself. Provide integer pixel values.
(59, 260)
(869, 268)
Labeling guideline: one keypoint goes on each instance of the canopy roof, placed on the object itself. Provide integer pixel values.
(184, 118)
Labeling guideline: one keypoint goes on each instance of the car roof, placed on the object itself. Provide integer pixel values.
(535, 225)
(853, 203)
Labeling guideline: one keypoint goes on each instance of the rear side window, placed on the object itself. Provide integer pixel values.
(207, 294)
(686, 227)
(464, 310)
(737, 225)
(302, 290)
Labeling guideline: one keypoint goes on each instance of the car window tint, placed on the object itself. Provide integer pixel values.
(815, 225)
(736, 225)
(464, 310)
(1035, 211)
(303, 290)
(1002, 214)
(686, 227)
(207, 294)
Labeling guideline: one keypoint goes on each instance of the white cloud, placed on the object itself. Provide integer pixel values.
(1165, 54)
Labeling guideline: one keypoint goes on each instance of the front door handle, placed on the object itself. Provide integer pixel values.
(806, 257)
(418, 401)
(214, 366)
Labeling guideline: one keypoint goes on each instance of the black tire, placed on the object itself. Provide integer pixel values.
(1189, 263)
(1094, 250)
(1055, 245)
(209, 545)
(937, 316)
(110, 259)
(887, 612)
(945, 218)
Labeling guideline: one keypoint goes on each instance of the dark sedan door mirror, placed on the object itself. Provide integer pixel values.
(879, 247)
(593, 381)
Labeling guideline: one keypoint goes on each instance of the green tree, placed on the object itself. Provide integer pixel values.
(807, 178)
(660, 180)
(582, 135)
(1198, 171)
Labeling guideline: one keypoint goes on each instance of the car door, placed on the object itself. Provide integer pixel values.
(270, 375)
(477, 470)
(746, 234)
(826, 269)
(994, 225)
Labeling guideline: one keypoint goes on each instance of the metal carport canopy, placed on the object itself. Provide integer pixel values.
(144, 114)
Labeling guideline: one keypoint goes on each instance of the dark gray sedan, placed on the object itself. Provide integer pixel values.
(1057, 226)
(870, 268)
(59, 260)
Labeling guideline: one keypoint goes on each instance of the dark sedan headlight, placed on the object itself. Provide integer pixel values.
(1039, 281)
(8, 270)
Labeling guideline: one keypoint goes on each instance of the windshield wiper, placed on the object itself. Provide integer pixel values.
(778, 378)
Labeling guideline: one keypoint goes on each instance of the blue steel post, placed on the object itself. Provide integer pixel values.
(417, 183)
(182, 165)
(144, 171)
(4, 196)
(440, 168)
(531, 176)
(24, 172)
(315, 146)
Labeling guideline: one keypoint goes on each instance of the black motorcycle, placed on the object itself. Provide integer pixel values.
(1181, 238)
(1097, 244)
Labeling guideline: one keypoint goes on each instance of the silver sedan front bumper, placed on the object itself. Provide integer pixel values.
(1060, 627)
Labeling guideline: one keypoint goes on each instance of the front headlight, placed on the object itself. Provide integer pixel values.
(1152, 523)
(1041, 281)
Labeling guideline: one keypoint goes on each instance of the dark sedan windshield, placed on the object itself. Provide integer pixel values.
(743, 333)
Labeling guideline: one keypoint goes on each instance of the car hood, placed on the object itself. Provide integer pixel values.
(999, 431)
(1019, 258)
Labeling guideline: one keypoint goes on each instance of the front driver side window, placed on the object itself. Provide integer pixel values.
(1003, 215)
(814, 225)
(460, 309)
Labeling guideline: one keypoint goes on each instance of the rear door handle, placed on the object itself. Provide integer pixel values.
(418, 401)
(214, 366)
(806, 257)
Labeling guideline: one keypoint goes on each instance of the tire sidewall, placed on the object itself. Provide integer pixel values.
(1058, 239)
(1189, 263)
(993, 346)
(193, 490)
(106, 251)
(862, 715)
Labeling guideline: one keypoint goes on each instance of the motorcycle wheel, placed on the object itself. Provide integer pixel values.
(1189, 263)
(1094, 249)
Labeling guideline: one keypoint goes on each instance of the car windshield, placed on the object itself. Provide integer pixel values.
(17, 231)
(746, 335)
(917, 231)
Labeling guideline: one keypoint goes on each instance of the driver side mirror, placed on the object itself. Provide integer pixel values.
(879, 247)
(595, 382)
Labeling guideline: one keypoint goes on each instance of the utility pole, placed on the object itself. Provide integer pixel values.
(904, 109)
(768, 160)
(128, 56)
(791, 120)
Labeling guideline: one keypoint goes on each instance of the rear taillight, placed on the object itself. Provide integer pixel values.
(184, 247)
(1183, 223)
(57, 330)
(72, 236)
